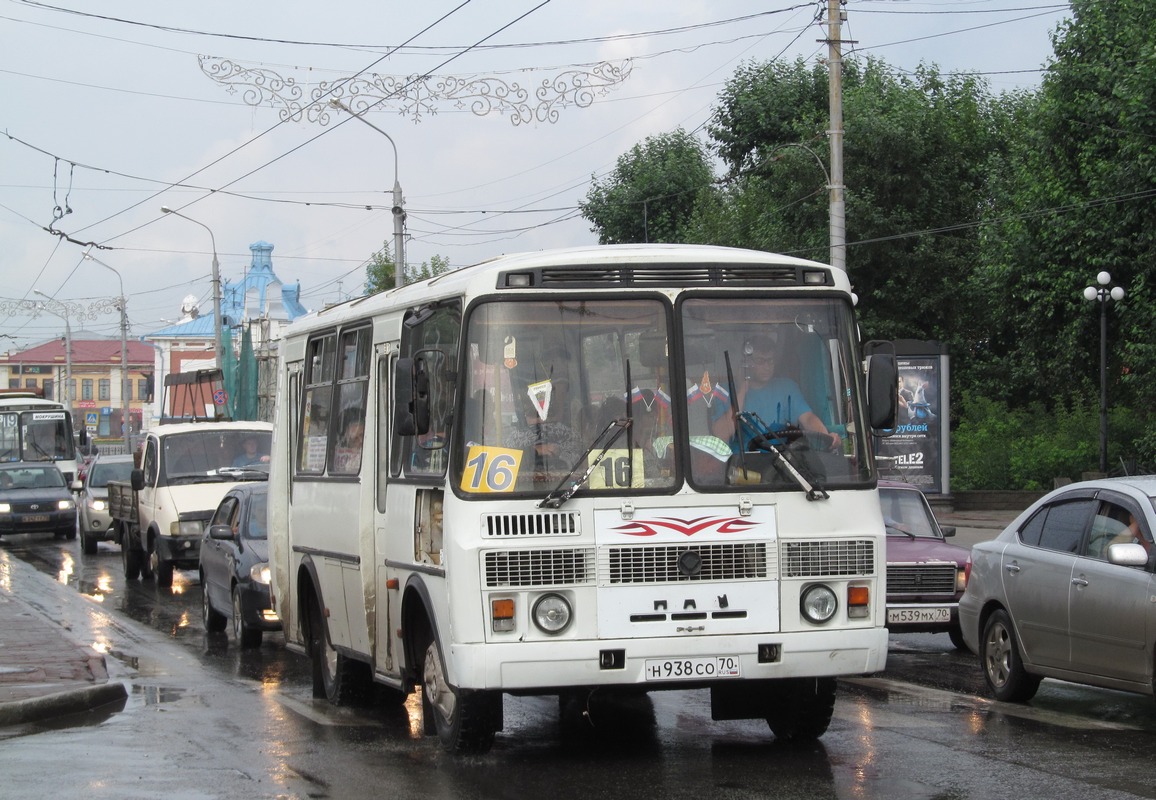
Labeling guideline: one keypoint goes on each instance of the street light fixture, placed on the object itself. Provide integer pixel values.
(218, 347)
(121, 302)
(1103, 293)
(67, 347)
(398, 202)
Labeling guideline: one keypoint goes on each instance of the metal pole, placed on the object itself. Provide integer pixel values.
(122, 302)
(218, 345)
(67, 352)
(398, 201)
(837, 211)
(1104, 380)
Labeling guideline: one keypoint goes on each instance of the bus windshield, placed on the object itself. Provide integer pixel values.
(35, 436)
(619, 393)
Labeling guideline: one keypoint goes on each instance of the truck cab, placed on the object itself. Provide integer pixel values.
(185, 469)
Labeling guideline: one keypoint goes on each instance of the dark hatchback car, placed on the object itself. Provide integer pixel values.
(234, 567)
(35, 498)
(926, 575)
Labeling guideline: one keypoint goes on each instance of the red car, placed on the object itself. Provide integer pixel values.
(926, 576)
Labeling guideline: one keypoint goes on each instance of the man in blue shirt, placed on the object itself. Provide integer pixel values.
(778, 401)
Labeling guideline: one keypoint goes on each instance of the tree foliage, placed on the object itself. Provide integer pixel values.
(379, 273)
(652, 191)
(972, 218)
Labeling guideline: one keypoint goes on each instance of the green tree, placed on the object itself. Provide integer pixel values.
(379, 273)
(915, 151)
(1080, 201)
(652, 191)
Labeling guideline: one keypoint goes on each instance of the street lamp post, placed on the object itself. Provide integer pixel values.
(67, 348)
(121, 302)
(1103, 293)
(398, 202)
(218, 347)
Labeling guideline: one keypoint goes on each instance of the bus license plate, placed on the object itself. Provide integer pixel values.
(931, 614)
(689, 669)
(34, 518)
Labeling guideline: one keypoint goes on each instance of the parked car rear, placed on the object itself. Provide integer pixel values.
(926, 575)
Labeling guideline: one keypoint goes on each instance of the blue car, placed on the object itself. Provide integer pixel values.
(234, 567)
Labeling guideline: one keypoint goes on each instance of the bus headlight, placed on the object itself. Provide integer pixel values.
(551, 613)
(818, 603)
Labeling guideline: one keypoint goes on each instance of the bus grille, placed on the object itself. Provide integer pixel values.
(828, 558)
(555, 567)
(920, 579)
(554, 524)
(680, 563)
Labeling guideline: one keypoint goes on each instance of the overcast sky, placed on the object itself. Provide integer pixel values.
(117, 108)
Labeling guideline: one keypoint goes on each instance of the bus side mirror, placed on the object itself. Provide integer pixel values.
(411, 397)
(136, 478)
(882, 399)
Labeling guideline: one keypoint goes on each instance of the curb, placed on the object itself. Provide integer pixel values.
(59, 704)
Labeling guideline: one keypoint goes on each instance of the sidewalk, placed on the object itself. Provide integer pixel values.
(44, 672)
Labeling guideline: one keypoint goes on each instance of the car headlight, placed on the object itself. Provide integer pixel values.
(5, 508)
(97, 505)
(65, 505)
(259, 573)
(551, 613)
(819, 603)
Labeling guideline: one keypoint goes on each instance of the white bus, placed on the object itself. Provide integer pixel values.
(33, 429)
(522, 477)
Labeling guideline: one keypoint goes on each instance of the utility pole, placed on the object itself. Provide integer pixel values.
(838, 220)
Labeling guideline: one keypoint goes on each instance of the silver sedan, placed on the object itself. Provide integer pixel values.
(1066, 591)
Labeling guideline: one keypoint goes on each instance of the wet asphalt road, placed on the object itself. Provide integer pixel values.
(208, 720)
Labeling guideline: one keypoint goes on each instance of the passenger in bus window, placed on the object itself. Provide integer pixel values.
(777, 400)
(347, 455)
(550, 444)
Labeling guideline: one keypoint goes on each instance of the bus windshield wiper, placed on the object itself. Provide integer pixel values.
(764, 439)
(571, 483)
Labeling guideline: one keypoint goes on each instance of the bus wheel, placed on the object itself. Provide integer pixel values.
(800, 709)
(465, 720)
(341, 680)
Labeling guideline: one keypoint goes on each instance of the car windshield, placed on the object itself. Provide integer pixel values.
(905, 513)
(205, 452)
(103, 472)
(32, 478)
(258, 509)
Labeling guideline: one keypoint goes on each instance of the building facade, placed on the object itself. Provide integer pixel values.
(96, 387)
(259, 303)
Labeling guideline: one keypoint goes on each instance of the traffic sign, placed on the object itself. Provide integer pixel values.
(220, 397)
(89, 418)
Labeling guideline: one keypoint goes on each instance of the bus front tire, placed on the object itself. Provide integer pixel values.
(465, 721)
(800, 709)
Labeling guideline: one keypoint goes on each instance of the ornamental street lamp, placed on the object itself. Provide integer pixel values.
(218, 347)
(67, 345)
(398, 202)
(1103, 293)
(121, 301)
